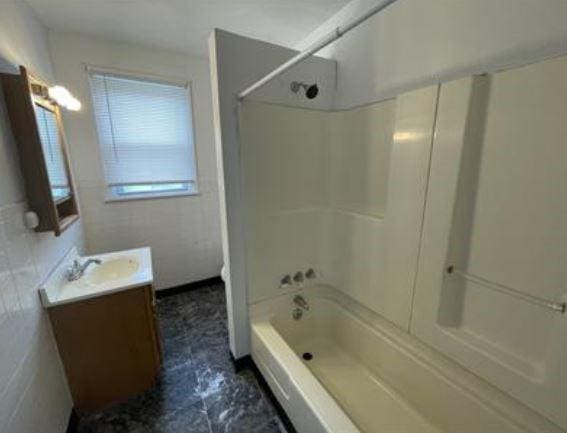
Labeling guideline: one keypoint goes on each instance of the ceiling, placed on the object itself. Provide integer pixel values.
(185, 25)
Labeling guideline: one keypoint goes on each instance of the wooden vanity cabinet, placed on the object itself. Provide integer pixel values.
(109, 346)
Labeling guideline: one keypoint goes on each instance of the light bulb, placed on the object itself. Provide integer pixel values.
(59, 93)
(64, 98)
(73, 104)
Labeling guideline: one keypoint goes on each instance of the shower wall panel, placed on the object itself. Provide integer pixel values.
(496, 210)
(342, 192)
(283, 166)
(358, 146)
(373, 220)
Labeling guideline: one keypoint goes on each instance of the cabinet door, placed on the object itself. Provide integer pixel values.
(109, 347)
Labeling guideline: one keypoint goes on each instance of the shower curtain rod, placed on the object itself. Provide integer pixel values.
(331, 37)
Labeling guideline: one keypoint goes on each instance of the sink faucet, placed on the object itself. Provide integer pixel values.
(301, 302)
(77, 270)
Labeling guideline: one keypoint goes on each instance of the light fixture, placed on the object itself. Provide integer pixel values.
(64, 98)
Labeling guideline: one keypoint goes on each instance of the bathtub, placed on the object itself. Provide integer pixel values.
(365, 375)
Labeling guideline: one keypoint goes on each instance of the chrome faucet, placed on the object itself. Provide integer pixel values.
(301, 302)
(77, 270)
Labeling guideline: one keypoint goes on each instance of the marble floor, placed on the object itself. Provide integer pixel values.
(198, 390)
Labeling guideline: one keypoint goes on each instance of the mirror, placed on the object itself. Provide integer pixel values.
(52, 152)
(36, 123)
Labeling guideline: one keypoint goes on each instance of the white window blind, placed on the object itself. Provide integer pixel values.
(145, 132)
(52, 152)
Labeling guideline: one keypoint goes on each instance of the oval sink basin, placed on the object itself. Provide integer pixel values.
(114, 269)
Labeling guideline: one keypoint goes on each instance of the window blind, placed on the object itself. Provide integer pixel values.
(52, 151)
(144, 130)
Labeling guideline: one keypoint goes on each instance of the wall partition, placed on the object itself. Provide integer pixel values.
(236, 62)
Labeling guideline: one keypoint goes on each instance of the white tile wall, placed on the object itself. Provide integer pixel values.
(183, 232)
(33, 389)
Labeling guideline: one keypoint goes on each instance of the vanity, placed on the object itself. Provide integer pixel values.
(104, 320)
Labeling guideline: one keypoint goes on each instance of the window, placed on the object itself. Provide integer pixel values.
(145, 134)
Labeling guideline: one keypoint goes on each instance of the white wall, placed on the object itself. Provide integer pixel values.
(183, 232)
(415, 43)
(236, 62)
(33, 389)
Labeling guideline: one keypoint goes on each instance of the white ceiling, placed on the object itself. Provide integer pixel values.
(184, 25)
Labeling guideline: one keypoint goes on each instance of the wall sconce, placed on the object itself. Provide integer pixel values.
(64, 98)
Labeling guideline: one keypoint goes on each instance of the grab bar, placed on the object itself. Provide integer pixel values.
(559, 307)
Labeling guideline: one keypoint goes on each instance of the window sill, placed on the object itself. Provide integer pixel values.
(114, 198)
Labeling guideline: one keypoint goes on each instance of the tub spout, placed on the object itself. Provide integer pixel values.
(301, 302)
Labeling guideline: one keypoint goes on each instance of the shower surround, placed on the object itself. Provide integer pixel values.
(341, 192)
(381, 201)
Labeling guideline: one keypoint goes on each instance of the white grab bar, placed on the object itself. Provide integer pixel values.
(559, 307)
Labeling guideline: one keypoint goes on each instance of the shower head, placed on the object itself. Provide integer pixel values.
(311, 90)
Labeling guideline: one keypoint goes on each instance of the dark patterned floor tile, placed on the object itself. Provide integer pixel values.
(170, 328)
(210, 364)
(209, 338)
(112, 421)
(273, 426)
(174, 393)
(169, 308)
(176, 388)
(175, 350)
(190, 419)
(235, 404)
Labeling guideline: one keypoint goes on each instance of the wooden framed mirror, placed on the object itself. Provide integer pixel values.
(38, 130)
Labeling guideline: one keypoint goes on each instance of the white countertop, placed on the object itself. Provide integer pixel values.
(57, 290)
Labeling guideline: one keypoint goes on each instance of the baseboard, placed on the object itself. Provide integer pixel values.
(188, 287)
(242, 363)
(73, 424)
(247, 363)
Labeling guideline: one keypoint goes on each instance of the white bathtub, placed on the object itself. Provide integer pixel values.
(368, 376)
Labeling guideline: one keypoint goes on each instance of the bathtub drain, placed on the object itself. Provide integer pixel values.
(307, 356)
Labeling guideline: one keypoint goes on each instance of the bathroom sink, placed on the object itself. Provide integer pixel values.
(117, 271)
(114, 269)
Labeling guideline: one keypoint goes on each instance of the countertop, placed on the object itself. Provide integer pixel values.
(58, 291)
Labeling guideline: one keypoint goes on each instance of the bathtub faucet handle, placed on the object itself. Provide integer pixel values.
(285, 281)
(310, 274)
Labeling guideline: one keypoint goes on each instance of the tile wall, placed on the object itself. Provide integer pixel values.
(33, 389)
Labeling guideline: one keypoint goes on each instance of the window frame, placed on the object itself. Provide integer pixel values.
(111, 191)
(112, 195)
